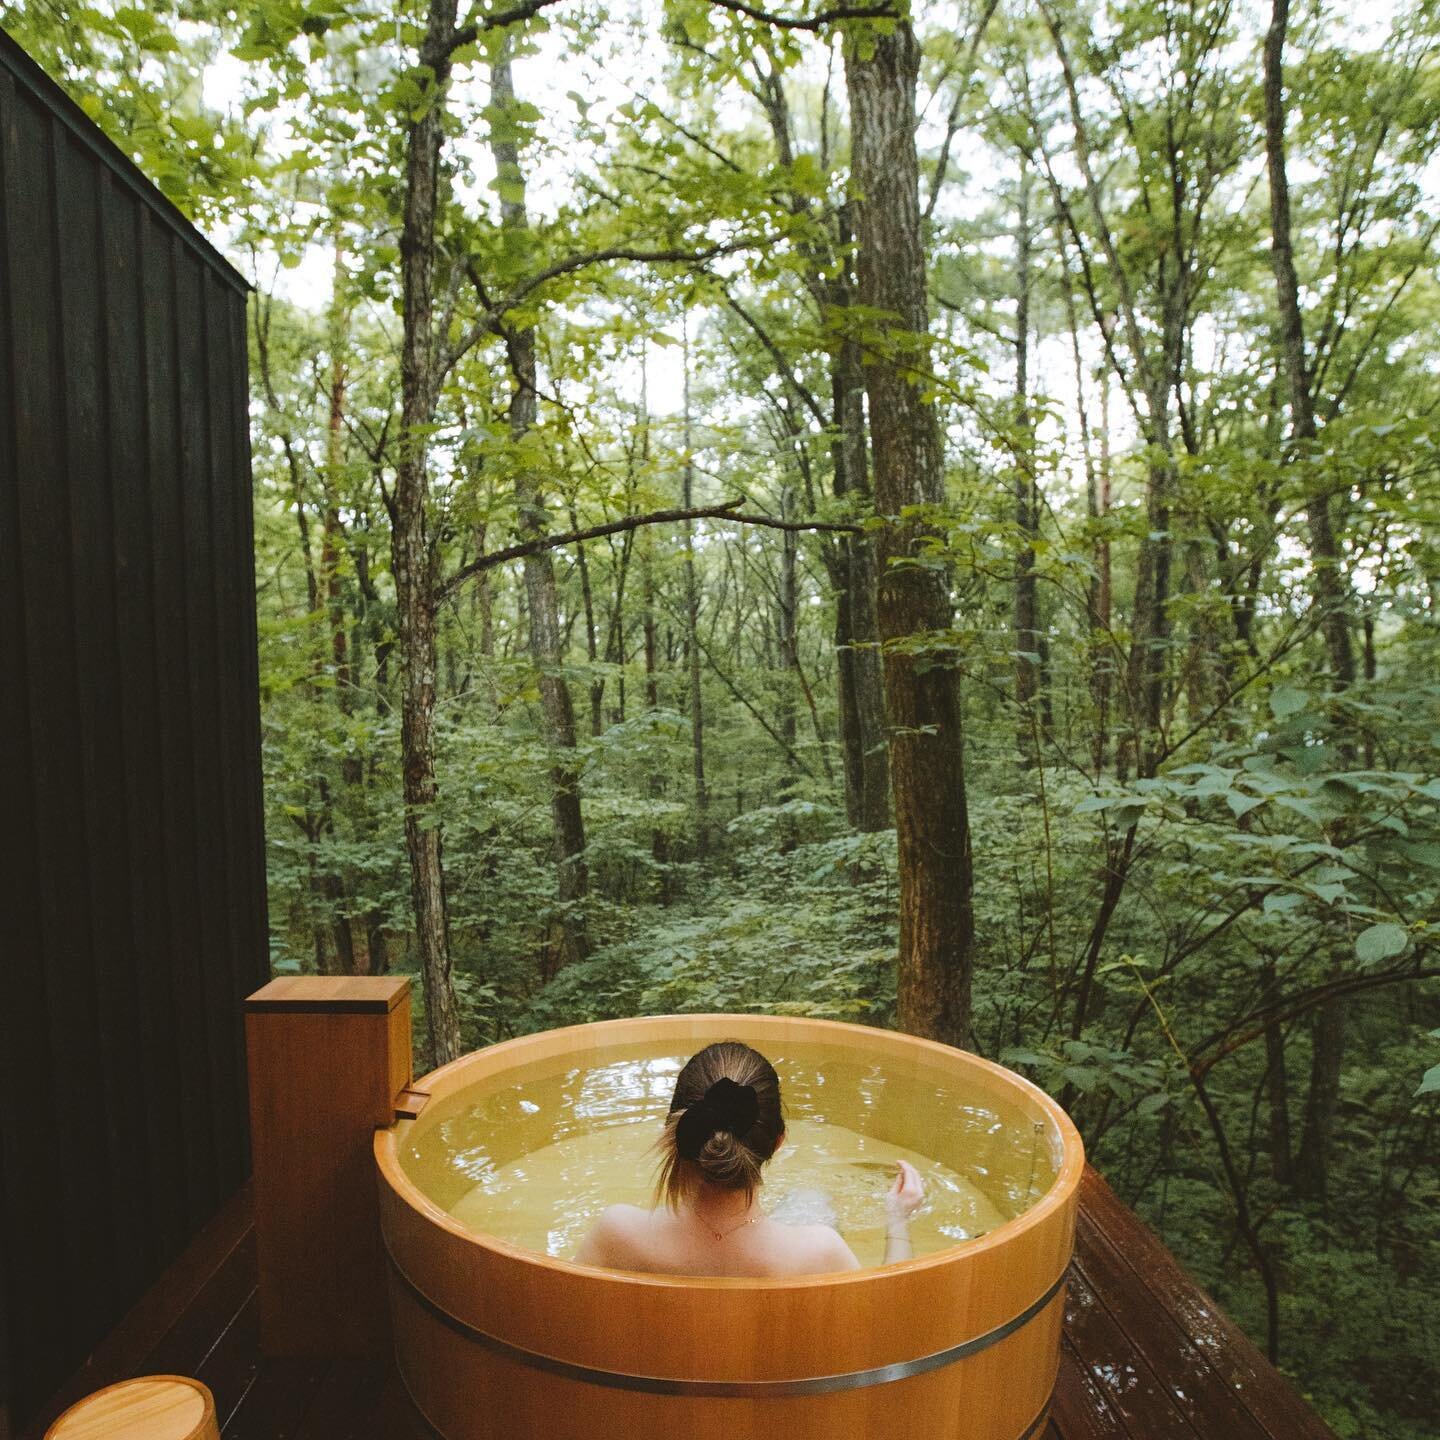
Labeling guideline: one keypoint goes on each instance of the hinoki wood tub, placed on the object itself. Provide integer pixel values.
(498, 1341)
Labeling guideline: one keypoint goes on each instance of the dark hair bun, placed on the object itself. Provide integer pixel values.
(724, 1123)
(725, 1106)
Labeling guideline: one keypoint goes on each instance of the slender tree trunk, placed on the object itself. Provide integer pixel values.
(860, 674)
(1145, 670)
(1327, 1055)
(615, 630)
(1277, 1086)
(1103, 676)
(1331, 592)
(1029, 669)
(922, 697)
(333, 543)
(692, 624)
(592, 638)
(650, 643)
(1206, 680)
(413, 557)
(570, 941)
(351, 945)
(1149, 622)
(787, 624)
(1328, 584)
(1097, 501)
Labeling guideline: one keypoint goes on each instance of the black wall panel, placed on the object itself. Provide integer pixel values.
(132, 896)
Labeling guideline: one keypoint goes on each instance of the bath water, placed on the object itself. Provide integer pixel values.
(536, 1159)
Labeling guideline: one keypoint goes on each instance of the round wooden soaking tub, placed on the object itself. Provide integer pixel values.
(494, 1340)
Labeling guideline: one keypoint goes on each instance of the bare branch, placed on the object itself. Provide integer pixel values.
(729, 511)
(952, 121)
(468, 34)
(1292, 1007)
(812, 22)
(490, 322)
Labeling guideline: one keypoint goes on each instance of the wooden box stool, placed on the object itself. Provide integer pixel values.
(154, 1407)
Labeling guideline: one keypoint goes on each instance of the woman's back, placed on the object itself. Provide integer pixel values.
(679, 1242)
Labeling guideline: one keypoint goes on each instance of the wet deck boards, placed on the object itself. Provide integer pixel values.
(1147, 1354)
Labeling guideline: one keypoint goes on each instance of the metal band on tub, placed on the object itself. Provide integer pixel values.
(740, 1389)
(435, 1433)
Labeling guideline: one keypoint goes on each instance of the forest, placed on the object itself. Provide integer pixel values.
(926, 516)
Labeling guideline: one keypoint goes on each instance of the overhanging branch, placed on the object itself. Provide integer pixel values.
(729, 511)
(812, 22)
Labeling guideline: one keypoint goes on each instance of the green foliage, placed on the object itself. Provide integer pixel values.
(1142, 930)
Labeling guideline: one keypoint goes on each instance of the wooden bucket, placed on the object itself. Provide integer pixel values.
(494, 1340)
(152, 1407)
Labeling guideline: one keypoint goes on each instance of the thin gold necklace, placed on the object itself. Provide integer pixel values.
(722, 1234)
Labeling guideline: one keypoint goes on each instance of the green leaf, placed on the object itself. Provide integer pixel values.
(1241, 804)
(1285, 700)
(1431, 1083)
(1380, 942)
(1278, 904)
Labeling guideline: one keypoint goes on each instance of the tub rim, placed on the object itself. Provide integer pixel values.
(441, 1083)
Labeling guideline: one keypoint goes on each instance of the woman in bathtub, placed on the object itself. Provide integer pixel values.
(725, 1123)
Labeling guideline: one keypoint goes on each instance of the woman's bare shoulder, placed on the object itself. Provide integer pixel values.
(626, 1219)
(613, 1235)
(816, 1250)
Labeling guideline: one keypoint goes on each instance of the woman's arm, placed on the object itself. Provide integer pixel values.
(902, 1200)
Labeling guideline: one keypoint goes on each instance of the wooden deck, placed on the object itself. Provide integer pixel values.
(1147, 1354)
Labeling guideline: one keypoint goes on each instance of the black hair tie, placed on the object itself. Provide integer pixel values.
(725, 1106)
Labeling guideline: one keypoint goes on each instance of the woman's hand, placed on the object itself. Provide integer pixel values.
(904, 1197)
(902, 1200)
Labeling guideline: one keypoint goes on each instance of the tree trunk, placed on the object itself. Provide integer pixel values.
(1102, 678)
(922, 693)
(787, 624)
(1312, 1160)
(333, 541)
(1277, 1085)
(1149, 623)
(1029, 673)
(413, 558)
(692, 624)
(860, 676)
(570, 941)
(1097, 501)
(1329, 588)
(1331, 592)
(592, 638)
(655, 781)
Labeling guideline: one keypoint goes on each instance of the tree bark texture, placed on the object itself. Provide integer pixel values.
(922, 691)
(413, 557)
(860, 677)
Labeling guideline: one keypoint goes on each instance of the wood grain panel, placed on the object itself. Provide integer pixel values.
(325, 1055)
(132, 902)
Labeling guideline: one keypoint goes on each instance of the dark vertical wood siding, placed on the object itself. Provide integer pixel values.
(132, 895)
